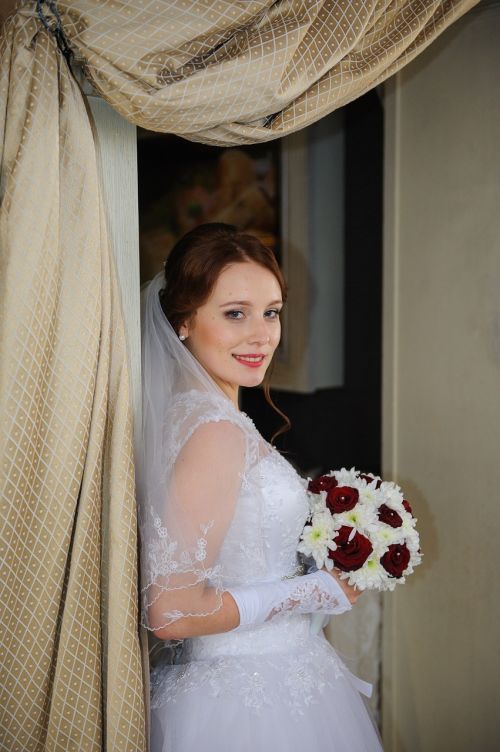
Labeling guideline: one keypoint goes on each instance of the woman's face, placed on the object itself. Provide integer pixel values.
(235, 333)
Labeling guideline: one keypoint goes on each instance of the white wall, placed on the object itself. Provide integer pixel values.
(116, 141)
(441, 402)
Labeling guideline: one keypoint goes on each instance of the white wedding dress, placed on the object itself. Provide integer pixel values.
(277, 687)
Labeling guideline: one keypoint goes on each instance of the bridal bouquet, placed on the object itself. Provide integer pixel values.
(363, 526)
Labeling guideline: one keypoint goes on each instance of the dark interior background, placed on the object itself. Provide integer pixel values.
(341, 426)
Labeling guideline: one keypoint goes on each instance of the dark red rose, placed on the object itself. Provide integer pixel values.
(396, 559)
(342, 499)
(350, 555)
(389, 516)
(407, 506)
(369, 478)
(322, 483)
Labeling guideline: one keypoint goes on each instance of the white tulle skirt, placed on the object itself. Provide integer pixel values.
(274, 688)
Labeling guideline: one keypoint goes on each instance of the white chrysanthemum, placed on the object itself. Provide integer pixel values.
(391, 583)
(415, 560)
(375, 479)
(317, 502)
(382, 536)
(369, 495)
(362, 484)
(371, 576)
(412, 540)
(392, 496)
(363, 518)
(346, 477)
(409, 523)
(415, 557)
(317, 538)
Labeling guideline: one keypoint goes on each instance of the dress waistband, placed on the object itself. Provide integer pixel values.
(287, 632)
(278, 635)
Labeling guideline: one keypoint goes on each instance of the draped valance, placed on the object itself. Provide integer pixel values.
(230, 72)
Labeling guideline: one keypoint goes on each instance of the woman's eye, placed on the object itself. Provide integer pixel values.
(237, 315)
(273, 313)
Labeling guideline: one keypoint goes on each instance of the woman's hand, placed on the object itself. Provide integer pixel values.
(351, 591)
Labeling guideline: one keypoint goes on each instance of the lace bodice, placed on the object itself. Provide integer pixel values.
(261, 543)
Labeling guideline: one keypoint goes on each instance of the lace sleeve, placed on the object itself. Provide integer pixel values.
(182, 538)
(314, 593)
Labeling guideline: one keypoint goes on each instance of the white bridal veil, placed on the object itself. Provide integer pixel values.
(191, 454)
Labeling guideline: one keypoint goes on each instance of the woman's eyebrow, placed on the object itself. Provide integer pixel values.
(247, 303)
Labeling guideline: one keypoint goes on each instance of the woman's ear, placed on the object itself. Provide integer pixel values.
(184, 330)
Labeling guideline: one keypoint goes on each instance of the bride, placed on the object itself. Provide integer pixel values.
(221, 512)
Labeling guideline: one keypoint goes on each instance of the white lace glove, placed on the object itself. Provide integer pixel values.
(317, 592)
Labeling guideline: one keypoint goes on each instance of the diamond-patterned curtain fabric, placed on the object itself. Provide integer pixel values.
(228, 72)
(71, 677)
(213, 70)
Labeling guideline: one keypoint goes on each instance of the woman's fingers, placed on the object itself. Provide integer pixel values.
(351, 591)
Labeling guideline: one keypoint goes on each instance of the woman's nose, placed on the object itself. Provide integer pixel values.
(260, 333)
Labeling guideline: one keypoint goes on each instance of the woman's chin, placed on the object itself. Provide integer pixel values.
(252, 379)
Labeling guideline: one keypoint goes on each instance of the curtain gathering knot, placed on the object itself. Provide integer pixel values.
(54, 25)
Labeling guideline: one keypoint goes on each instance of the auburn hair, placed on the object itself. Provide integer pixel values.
(193, 267)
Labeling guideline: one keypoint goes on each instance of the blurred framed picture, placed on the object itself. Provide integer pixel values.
(183, 184)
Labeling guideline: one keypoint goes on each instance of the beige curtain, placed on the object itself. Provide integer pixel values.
(70, 666)
(230, 72)
(213, 70)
